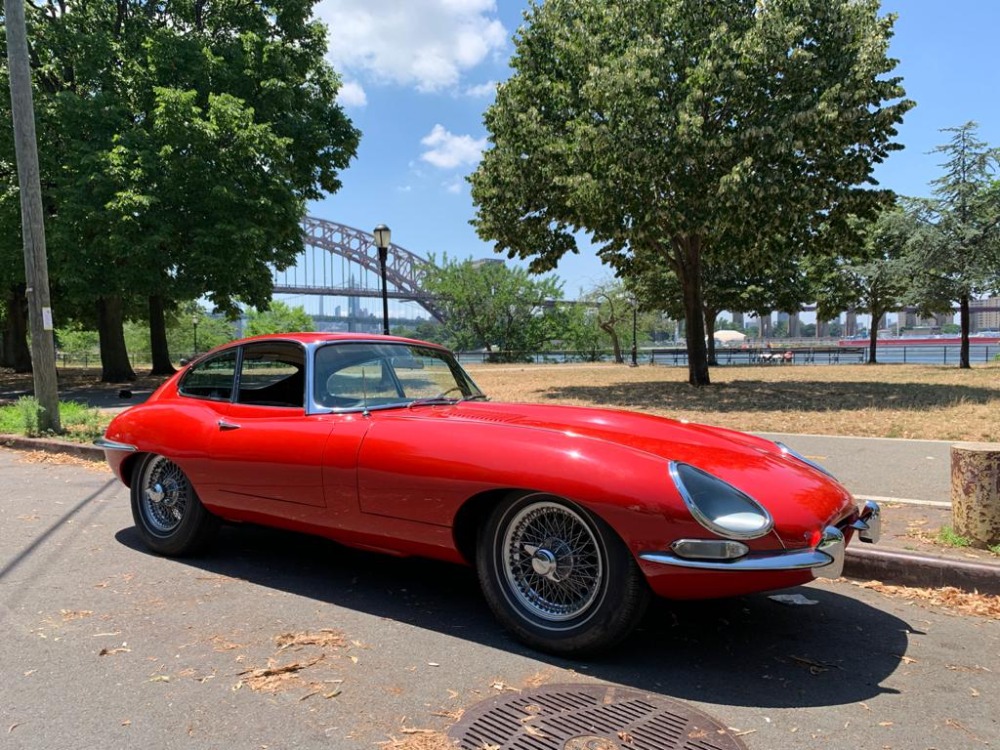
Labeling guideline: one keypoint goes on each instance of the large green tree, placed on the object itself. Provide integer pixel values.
(182, 141)
(958, 256)
(684, 132)
(278, 318)
(874, 275)
(503, 309)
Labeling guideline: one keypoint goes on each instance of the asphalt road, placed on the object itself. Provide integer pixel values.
(881, 467)
(108, 646)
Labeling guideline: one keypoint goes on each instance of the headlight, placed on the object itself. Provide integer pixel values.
(808, 462)
(718, 506)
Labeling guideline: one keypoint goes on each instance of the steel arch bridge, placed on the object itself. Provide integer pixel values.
(357, 274)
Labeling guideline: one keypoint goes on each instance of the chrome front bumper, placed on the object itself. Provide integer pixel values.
(827, 558)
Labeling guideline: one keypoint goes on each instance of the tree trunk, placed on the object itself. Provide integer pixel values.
(115, 367)
(609, 328)
(16, 353)
(965, 319)
(688, 254)
(710, 316)
(158, 347)
(975, 492)
(873, 337)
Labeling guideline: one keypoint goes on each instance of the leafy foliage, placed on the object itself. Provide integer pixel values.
(958, 254)
(179, 144)
(491, 305)
(685, 134)
(876, 275)
(278, 318)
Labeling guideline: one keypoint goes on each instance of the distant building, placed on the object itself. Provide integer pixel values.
(984, 320)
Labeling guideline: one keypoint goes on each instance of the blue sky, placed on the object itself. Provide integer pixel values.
(420, 73)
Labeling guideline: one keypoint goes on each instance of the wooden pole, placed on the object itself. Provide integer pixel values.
(36, 270)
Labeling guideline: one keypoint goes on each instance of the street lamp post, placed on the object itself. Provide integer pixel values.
(194, 324)
(635, 350)
(382, 237)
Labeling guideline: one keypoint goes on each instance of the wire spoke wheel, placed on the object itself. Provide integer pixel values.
(168, 514)
(557, 575)
(552, 561)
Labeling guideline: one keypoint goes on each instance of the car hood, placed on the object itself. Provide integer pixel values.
(667, 438)
(799, 496)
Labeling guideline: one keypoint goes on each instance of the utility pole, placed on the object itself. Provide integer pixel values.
(36, 269)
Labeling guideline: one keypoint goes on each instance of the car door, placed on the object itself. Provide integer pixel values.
(267, 453)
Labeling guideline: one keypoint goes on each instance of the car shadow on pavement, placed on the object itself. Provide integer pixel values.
(747, 651)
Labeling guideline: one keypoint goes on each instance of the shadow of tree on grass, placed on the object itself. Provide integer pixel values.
(763, 396)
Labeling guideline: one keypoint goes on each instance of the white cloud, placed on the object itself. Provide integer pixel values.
(352, 94)
(422, 43)
(447, 150)
(482, 90)
(454, 185)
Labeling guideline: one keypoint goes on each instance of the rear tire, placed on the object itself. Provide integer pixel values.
(557, 576)
(168, 515)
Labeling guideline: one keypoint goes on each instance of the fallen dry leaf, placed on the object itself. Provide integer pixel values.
(947, 597)
(326, 638)
(426, 740)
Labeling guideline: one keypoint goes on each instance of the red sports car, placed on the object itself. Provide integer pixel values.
(572, 516)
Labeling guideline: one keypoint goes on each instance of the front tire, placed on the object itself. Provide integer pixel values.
(168, 515)
(557, 576)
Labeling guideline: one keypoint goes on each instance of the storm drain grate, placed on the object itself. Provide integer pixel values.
(589, 717)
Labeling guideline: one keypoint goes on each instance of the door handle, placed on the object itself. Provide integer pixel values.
(224, 425)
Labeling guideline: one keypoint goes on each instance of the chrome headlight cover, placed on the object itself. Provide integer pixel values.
(807, 461)
(718, 506)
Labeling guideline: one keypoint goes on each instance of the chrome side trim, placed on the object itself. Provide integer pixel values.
(828, 556)
(869, 523)
(112, 445)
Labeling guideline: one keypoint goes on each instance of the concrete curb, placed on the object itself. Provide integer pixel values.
(862, 562)
(52, 445)
(911, 569)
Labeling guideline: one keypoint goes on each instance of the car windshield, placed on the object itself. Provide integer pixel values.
(367, 375)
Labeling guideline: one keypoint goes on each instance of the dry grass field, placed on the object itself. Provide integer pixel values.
(903, 401)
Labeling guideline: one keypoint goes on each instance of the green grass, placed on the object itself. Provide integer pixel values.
(80, 423)
(950, 538)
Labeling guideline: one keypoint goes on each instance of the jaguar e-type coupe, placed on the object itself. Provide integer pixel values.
(571, 516)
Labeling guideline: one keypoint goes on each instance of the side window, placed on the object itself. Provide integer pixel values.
(272, 374)
(212, 379)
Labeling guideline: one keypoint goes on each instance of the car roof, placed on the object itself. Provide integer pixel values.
(315, 337)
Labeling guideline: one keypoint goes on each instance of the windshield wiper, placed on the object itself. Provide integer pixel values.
(444, 400)
(431, 401)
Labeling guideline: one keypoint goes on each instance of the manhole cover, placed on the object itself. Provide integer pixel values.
(589, 717)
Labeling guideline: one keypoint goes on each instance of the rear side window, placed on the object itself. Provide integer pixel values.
(273, 374)
(212, 379)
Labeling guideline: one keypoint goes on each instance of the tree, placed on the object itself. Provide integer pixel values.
(490, 305)
(278, 318)
(874, 275)
(686, 132)
(958, 256)
(182, 141)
